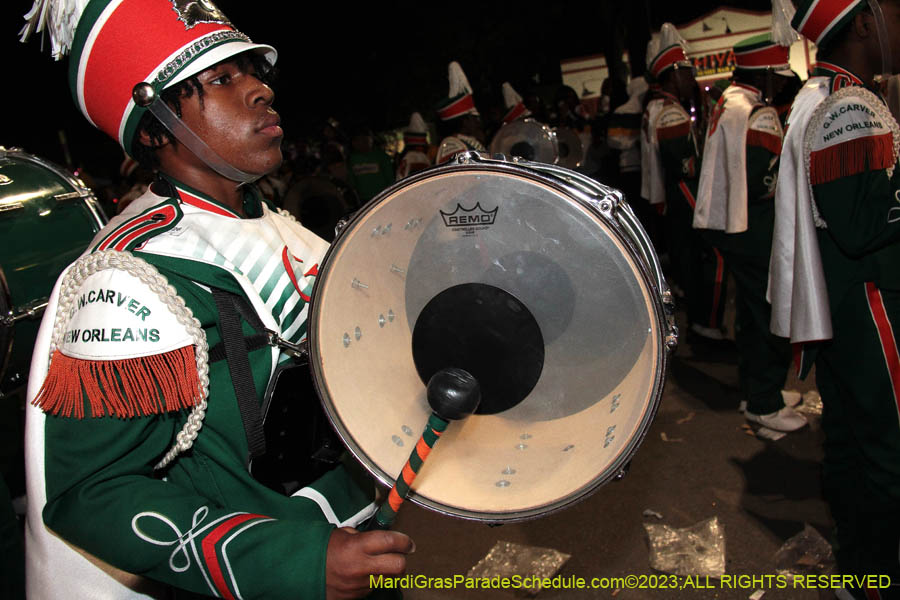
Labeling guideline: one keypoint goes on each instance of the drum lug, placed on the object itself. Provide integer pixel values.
(27, 311)
(470, 157)
(607, 205)
(339, 226)
(672, 336)
(669, 307)
(623, 471)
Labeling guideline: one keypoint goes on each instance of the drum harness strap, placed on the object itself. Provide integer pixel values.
(235, 348)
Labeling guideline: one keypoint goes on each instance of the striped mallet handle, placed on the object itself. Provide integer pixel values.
(453, 394)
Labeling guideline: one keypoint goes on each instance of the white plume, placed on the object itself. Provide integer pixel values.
(59, 18)
(458, 82)
(782, 32)
(416, 124)
(511, 98)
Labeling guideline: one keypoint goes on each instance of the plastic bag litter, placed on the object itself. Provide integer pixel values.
(812, 403)
(807, 553)
(506, 559)
(695, 550)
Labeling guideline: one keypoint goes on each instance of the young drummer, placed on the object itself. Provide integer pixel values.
(834, 277)
(735, 211)
(138, 440)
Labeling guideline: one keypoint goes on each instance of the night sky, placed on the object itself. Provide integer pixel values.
(369, 64)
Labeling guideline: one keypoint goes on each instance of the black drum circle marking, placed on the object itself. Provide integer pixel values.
(489, 333)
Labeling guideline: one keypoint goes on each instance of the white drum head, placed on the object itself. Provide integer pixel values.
(585, 403)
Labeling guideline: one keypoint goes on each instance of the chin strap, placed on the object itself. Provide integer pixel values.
(145, 96)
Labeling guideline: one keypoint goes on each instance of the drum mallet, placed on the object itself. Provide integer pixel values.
(453, 394)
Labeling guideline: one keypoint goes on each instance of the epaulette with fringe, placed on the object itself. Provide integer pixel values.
(850, 132)
(132, 233)
(123, 342)
(764, 129)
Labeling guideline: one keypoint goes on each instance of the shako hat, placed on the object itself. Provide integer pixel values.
(666, 52)
(514, 105)
(120, 43)
(459, 101)
(820, 20)
(416, 133)
(760, 52)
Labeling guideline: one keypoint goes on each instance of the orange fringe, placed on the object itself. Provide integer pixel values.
(675, 131)
(125, 388)
(761, 139)
(851, 158)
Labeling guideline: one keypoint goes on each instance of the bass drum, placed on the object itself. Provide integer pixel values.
(535, 279)
(319, 202)
(571, 149)
(47, 219)
(526, 139)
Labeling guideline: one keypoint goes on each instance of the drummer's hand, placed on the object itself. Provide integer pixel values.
(353, 556)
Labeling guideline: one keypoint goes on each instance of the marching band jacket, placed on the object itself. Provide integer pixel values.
(117, 378)
(837, 214)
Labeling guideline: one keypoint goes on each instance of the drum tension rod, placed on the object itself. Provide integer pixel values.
(28, 311)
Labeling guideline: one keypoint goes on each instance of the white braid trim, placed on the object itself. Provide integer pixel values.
(287, 215)
(89, 264)
(819, 116)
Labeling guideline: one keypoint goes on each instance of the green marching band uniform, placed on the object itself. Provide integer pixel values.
(671, 158)
(137, 476)
(835, 289)
(736, 212)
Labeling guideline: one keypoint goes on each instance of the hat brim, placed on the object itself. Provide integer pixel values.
(220, 53)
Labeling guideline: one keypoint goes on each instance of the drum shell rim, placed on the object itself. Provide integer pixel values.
(83, 193)
(475, 163)
(6, 353)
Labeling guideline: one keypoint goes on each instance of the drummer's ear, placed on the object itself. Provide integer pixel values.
(152, 142)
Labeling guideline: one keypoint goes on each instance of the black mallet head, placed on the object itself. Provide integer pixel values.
(453, 394)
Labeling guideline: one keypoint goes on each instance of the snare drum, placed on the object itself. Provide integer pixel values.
(47, 219)
(538, 281)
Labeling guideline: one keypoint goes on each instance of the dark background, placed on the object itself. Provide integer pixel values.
(368, 63)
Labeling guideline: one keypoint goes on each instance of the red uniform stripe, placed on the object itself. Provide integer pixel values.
(886, 336)
(168, 211)
(121, 230)
(290, 271)
(209, 551)
(129, 227)
(189, 198)
(832, 67)
(687, 193)
(107, 83)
